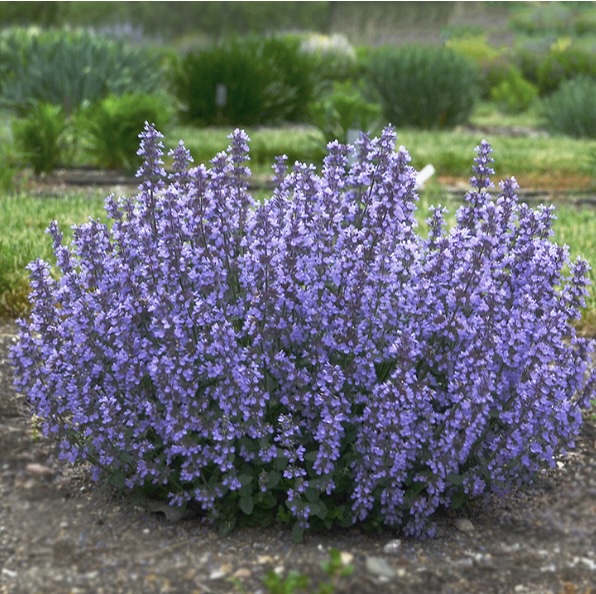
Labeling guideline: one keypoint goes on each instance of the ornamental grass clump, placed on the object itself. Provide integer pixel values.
(312, 358)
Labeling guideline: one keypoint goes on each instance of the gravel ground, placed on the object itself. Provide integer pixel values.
(59, 533)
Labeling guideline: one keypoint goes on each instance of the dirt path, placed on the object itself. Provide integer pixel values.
(60, 534)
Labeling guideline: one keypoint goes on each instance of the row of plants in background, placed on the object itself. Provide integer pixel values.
(82, 98)
(311, 359)
(71, 68)
(570, 110)
(103, 134)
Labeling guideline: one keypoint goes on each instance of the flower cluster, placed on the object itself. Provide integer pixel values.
(312, 356)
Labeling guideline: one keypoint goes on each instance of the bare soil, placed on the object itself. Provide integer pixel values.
(62, 534)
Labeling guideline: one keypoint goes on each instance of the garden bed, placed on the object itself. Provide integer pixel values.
(59, 533)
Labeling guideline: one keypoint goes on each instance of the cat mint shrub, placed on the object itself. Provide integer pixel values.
(312, 358)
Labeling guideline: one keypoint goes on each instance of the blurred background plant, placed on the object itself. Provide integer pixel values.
(244, 81)
(513, 93)
(571, 109)
(345, 108)
(69, 68)
(41, 137)
(109, 129)
(423, 86)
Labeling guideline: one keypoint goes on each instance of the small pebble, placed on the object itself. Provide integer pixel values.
(549, 568)
(393, 547)
(464, 525)
(242, 573)
(379, 567)
(38, 470)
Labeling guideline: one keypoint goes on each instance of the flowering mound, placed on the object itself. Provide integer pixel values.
(310, 358)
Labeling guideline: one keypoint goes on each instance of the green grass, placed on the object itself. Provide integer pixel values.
(559, 161)
(547, 162)
(23, 221)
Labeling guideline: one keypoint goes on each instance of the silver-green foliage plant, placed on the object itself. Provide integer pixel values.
(343, 109)
(68, 68)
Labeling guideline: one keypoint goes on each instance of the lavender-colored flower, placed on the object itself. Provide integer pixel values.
(314, 350)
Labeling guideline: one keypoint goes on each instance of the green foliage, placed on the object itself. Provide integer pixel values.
(547, 63)
(424, 87)
(492, 63)
(257, 81)
(514, 93)
(9, 167)
(110, 129)
(538, 18)
(501, 80)
(70, 68)
(570, 111)
(565, 61)
(294, 581)
(474, 47)
(343, 109)
(23, 221)
(40, 137)
(297, 142)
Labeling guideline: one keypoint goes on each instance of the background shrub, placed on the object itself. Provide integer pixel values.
(565, 61)
(513, 94)
(343, 109)
(310, 359)
(558, 18)
(570, 110)
(70, 68)
(109, 129)
(41, 137)
(266, 81)
(491, 62)
(424, 87)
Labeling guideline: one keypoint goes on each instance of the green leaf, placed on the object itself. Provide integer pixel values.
(322, 511)
(273, 479)
(458, 499)
(247, 504)
(280, 463)
(455, 479)
(118, 479)
(245, 479)
(311, 456)
(297, 533)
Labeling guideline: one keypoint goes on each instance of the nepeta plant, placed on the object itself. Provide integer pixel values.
(311, 356)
